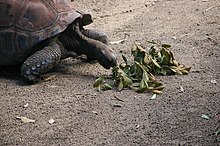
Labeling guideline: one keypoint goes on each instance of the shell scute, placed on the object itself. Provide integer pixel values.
(25, 23)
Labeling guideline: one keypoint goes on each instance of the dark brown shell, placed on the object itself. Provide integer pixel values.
(25, 23)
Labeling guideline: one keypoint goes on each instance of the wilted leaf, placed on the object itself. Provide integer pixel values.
(147, 60)
(154, 97)
(135, 84)
(174, 37)
(213, 81)
(142, 89)
(178, 71)
(166, 46)
(181, 89)
(184, 72)
(25, 120)
(176, 63)
(140, 48)
(118, 42)
(134, 88)
(205, 117)
(45, 79)
(138, 74)
(95, 112)
(134, 50)
(187, 68)
(160, 88)
(157, 91)
(26, 105)
(155, 63)
(151, 42)
(51, 121)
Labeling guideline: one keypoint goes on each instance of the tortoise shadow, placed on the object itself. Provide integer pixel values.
(10, 72)
(63, 68)
(13, 72)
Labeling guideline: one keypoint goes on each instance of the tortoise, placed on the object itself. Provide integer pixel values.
(37, 34)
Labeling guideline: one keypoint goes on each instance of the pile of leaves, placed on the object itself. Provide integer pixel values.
(139, 74)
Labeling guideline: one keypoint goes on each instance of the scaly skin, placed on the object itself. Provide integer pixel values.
(96, 35)
(74, 40)
(70, 43)
(40, 62)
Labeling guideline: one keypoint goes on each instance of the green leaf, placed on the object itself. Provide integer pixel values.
(138, 73)
(127, 81)
(98, 81)
(134, 88)
(135, 84)
(147, 60)
(163, 71)
(166, 57)
(145, 77)
(120, 85)
(106, 86)
(142, 84)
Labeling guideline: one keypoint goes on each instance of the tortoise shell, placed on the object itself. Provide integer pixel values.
(25, 23)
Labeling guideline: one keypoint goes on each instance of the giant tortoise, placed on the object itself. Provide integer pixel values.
(37, 34)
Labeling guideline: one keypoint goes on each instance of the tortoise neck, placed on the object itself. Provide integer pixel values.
(69, 39)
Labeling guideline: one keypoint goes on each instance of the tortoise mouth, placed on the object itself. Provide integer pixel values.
(108, 63)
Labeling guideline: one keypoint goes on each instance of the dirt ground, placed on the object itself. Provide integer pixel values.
(85, 117)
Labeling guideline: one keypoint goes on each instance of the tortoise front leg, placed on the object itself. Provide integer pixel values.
(40, 62)
(94, 49)
(96, 34)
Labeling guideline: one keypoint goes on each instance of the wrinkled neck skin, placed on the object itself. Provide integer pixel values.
(69, 41)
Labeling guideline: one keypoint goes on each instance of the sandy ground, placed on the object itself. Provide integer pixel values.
(84, 117)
